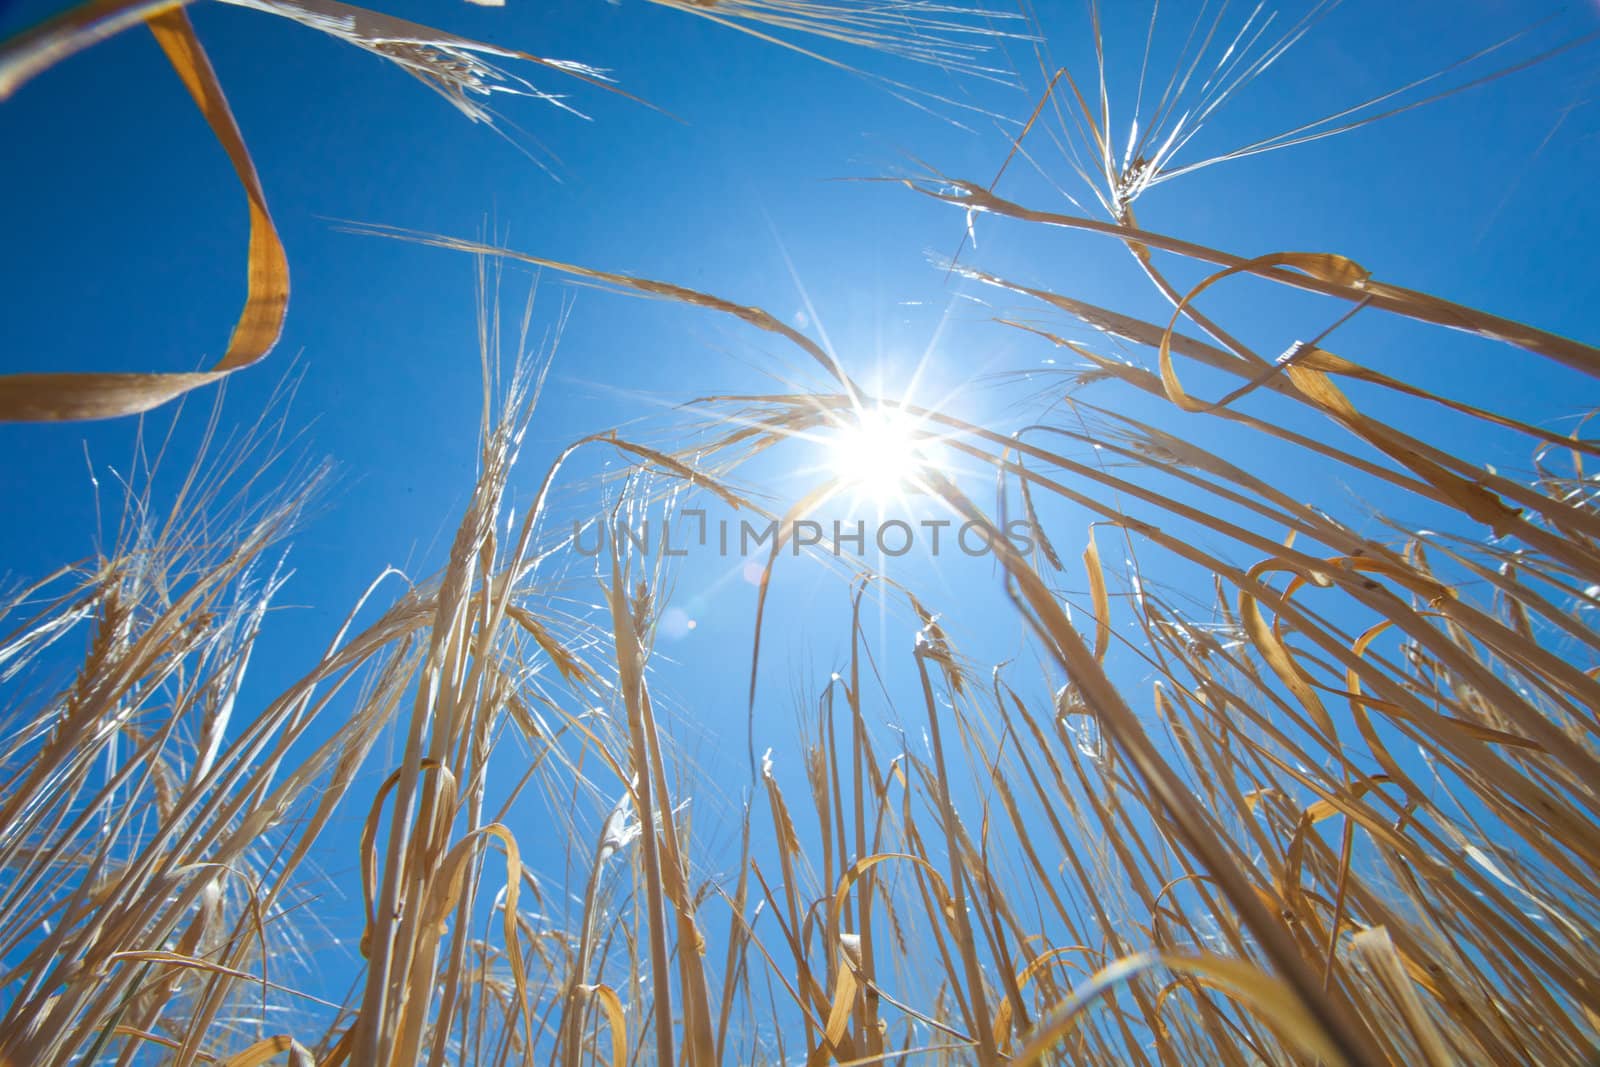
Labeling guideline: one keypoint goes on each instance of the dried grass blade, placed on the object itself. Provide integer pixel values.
(259, 1052)
(1102, 603)
(1377, 949)
(612, 1004)
(65, 396)
(1420, 306)
(66, 33)
(1470, 497)
(1264, 995)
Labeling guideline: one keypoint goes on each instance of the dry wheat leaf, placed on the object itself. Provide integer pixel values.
(67, 396)
(1269, 999)
(41, 47)
(266, 1049)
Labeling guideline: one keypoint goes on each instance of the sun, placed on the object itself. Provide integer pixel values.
(878, 452)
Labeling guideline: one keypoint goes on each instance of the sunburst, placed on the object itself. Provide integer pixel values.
(880, 453)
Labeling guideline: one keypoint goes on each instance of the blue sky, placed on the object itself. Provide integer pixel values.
(125, 229)
(124, 234)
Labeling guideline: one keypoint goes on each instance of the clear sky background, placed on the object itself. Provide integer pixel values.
(124, 234)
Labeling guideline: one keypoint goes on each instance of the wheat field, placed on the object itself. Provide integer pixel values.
(1266, 776)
